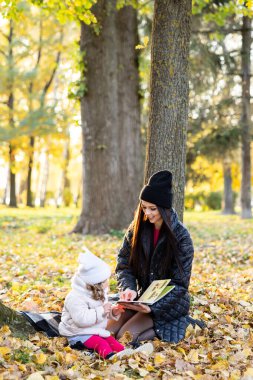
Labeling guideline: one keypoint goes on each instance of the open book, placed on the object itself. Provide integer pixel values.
(156, 290)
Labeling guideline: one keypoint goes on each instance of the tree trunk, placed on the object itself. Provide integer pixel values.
(110, 121)
(166, 140)
(18, 324)
(13, 198)
(45, 175)
(228, 201)
(65, 182)
(7, 188)
(245, 121)
(10, 105)
(29, 200)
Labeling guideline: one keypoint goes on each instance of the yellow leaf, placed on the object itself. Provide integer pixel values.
(40, 358)
(145, 40)
(70, 358)
(220, 365)
(5, 350)
(59, 357)
(5, 330)
(180, 349)
(248, 372)
(193, 356)
(49, 377)
(159, 358)
(150, 368)
(138, 47)
(228, 318)
(22, 367)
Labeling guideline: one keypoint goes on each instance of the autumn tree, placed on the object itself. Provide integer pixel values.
(110, 113)
(169, 87)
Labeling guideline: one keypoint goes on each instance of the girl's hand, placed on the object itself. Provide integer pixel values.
(107, 308)
(117, 310)
(128, 295)
(141, 307)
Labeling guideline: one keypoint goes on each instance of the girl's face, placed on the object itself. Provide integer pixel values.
(152, 213)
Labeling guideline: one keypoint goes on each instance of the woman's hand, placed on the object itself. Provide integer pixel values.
(141, 307)
(128, 295)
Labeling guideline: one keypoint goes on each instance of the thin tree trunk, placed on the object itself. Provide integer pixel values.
(7, 187)
(110, 121)
(13, 198)
(65, 182)
(228, 201)
(45, 175)
(168, 120)
(10, 104)
(246, 121)
(18, 324)
(29, 199)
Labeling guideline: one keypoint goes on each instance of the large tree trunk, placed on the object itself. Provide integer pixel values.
(18, 324)
(166, 143)
(110, 121)
(245, 120)
(29, 199)
(228, 201)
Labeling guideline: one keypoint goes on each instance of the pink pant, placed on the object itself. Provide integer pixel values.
(104, 346)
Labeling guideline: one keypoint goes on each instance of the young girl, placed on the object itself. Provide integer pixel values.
(87, 310)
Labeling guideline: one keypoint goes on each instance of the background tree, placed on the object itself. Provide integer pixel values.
(110, 113)
(169, 88)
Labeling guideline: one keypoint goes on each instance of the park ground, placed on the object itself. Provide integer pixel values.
(38, 257)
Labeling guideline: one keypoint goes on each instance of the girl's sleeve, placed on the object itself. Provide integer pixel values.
(82, 315)
(125, 276)
(177, 302)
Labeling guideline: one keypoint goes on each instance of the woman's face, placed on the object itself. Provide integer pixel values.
(152, 213)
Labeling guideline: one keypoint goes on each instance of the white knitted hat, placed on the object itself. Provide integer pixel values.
(92, 269)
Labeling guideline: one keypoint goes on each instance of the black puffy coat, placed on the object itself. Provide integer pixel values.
(171, 313)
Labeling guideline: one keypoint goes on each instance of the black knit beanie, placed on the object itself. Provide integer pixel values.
(158, 189)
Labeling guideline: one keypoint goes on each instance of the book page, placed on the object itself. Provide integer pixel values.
(153, 291)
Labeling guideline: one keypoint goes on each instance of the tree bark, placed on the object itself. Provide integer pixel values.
(29, 198)
(168, 120)
(13, 198)
(246, 121)
(110, 121)
(65, 182)
(45, 175)
(10, 104)
(228, 201)
(18, 324)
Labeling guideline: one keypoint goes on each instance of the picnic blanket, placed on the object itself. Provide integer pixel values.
(48, 322)
(44, 322)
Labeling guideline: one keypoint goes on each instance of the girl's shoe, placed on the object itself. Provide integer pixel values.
(146, 348)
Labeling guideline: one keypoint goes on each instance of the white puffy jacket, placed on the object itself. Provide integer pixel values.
(82, 314)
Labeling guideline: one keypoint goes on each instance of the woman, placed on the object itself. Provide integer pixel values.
(156, 246)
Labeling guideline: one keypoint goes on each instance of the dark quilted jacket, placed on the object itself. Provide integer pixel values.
(170, 314)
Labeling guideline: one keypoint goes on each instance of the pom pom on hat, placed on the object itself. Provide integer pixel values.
(158, 189)
(92, 269)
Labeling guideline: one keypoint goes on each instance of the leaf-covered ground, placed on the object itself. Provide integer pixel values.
(38, 258)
